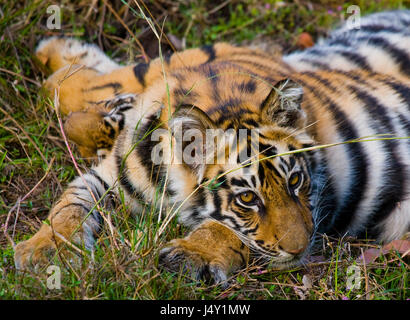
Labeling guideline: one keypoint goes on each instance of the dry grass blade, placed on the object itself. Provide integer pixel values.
(144, 54)
(17, 205)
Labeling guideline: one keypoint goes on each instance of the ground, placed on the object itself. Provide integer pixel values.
(35, 164)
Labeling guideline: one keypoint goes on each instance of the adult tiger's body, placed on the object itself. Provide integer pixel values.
(273, 207)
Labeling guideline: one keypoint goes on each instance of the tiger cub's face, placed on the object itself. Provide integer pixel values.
(263, 197)
(267, 204)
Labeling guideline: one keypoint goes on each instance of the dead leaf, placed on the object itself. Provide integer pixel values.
(369, 256)
(400, 246)
(305, 40)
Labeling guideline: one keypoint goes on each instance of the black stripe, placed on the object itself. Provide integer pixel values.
(292, 161)
(359, 171)
(143, 151)
(211, 72)
(324, 193)
(145, 146)
(268, 150)
(125, 181)
(140, 70)
(247, 86)
(100, 180)
(261, 174)
(80, 205)
(399, 56)
(401, 89)
(272, 168)
(342, 41)
(240, 214)
(182, 93)
(252, 231)
(253, 180)
(122, 170)
(320, 52)
(113, 85)
(217, 215)
(227, 113)
(320, 65)
(96, 192)
(356, 58)
(121, 124)
(249, 122)
(375, 28)
(111, 130)
(95, 214)
(200, 198)
(222, 182)
(392, 190)
(356, 77)
(209, 50)
(123, 107)
(194, 215)
(224, 106)
(239, 182)
(406, 126)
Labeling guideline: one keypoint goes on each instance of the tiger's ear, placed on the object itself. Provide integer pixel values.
(282, 105)
(189, 125)
(191, 117)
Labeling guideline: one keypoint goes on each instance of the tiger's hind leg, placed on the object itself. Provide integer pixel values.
(82, 74)
(82, 83)
(74, 66)
(88, 86)
(57, 52)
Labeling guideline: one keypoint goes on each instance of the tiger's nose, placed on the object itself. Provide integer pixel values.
(296, 249)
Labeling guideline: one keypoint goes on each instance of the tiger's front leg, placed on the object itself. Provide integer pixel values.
(210, 251)
(72, 220)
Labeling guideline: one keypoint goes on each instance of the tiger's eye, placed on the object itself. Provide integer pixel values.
(247, 197)
(294, 179)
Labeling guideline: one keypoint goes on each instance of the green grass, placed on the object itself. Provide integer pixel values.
(125, 261)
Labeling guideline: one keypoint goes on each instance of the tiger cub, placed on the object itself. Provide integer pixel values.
(298, 170)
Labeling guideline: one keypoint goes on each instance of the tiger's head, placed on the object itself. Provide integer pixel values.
(265, 194)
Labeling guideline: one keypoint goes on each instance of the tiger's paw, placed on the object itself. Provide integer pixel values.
(95, 129)
(120, 103)
(35, 252)
(41, 250)
(180, 256)
(210, 252)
